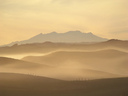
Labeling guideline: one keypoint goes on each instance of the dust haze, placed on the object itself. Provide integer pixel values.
(69, 63)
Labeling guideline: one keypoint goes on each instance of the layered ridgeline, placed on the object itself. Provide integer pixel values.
(46, 47)
(110, 61)
(65, 72)
(70, 65)
(68, 37)
(93, 69)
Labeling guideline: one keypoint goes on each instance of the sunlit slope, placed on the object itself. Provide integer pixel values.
(27, 85)
(15, 63)
(112, 61)
(19, 66)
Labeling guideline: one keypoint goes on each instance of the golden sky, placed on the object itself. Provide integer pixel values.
(22, 19)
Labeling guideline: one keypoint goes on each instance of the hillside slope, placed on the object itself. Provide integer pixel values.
(27, 85)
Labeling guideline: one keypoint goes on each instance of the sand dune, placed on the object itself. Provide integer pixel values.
(112, 61)
(28, 85)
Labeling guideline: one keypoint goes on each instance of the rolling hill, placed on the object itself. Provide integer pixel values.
(112, 61)
(18, 66)
(15, 63)
(27, 85)
(64, 73)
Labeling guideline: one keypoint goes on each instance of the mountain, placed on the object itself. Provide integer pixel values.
(68, 37)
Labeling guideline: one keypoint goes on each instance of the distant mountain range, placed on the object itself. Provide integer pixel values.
(68, 37)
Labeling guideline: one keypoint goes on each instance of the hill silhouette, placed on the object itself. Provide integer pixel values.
(47, 47)
(27, 85)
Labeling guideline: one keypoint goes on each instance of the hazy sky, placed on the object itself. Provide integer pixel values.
(22, 19)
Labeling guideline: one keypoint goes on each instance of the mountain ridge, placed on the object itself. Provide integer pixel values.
(67, 37)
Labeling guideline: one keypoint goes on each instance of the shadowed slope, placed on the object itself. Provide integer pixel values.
(27, 85)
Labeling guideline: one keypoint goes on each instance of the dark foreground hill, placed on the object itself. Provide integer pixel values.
(27, 85)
